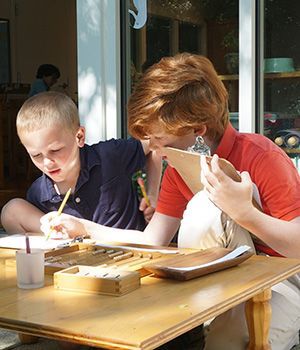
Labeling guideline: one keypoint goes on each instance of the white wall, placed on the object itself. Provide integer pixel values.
(42, 32)
(98, 68)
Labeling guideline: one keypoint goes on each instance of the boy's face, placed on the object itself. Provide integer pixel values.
(54, 150)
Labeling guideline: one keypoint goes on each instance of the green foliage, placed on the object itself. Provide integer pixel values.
(231, 40)
(143, 175)
(135, 176)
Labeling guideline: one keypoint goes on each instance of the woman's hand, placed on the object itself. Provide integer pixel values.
(63, 224)
(234, 198)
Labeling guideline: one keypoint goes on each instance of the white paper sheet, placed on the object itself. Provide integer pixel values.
(17, 241)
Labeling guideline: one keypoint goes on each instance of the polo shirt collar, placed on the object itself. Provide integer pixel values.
(227, 142)
(48, 192)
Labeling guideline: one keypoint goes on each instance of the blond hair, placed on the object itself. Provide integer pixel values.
(182, 93)
(47, 109)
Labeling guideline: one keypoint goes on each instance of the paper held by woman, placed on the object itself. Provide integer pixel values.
(188, 166)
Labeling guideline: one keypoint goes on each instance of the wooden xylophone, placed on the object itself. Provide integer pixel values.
(125, 258)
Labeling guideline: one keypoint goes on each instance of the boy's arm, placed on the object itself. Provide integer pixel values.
(235, 199)
(20, 216)
(160, 230)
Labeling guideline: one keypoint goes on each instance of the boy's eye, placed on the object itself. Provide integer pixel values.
(56, 150)
(35, 155)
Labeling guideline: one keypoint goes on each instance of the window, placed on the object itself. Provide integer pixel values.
(282, 75)
(155, 29)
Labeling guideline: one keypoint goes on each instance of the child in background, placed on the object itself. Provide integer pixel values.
(46, 76)
(99, 175)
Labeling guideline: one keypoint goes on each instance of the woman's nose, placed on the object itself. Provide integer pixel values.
(153, 145)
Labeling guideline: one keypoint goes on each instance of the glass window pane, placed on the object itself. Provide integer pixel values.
(282, 75)
(166, 27)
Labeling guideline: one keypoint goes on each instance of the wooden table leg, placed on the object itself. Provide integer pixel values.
(258, 315)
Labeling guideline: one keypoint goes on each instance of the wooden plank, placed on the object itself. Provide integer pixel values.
(167, 267)
(188, 166)
(280, 75)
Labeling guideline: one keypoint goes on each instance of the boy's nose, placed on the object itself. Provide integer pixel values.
(47, 162)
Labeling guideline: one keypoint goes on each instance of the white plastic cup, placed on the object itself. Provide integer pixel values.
(30, 268)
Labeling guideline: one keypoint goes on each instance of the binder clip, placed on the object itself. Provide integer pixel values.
(199, 147)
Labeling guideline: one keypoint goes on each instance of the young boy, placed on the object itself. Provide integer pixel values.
(100, 175)
(182, 97)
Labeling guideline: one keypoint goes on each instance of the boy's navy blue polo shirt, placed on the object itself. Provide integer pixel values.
(104, 191)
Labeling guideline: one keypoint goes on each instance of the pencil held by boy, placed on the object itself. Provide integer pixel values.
(99, 175)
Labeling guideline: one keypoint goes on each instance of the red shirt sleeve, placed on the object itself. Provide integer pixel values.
(174, 194)
(278, 183)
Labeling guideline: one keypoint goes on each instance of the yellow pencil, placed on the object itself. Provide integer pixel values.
(63, 203)
(140, 181)
(61, 207)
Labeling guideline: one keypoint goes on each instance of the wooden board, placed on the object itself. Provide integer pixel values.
(168, 268)
(188, 166)
(96, 280)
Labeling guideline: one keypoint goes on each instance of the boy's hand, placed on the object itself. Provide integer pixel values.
(147, 211)
(49, 230)
(234, 198)
(65, 224)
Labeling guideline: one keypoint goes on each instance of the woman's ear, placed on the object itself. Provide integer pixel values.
(201, 131)
(80, 136)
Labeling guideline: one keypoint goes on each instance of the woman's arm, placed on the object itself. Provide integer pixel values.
(235, 199)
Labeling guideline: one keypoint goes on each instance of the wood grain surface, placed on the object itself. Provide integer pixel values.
(162, 269)
(188, 166)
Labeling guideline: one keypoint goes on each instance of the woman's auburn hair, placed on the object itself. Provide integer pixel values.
(179, 93)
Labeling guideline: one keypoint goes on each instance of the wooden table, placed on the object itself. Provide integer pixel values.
(150, 316)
